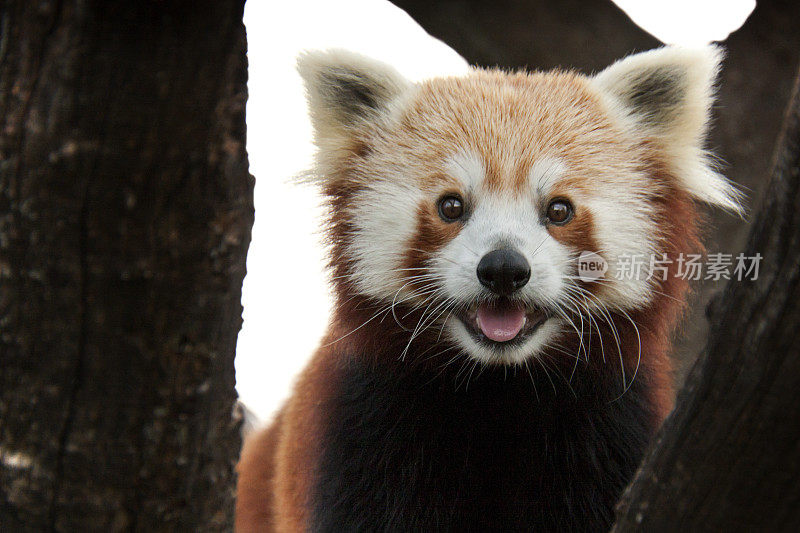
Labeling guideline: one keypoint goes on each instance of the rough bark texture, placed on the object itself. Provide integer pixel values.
(590, 34)
(125, 215)
(728, 457)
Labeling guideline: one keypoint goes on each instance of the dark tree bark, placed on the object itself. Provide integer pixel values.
(590, 34)
(125, 215)
(728, 457)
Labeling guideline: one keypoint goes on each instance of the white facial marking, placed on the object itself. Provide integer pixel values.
(468, 168)
(382, 234)
(514, 356)
(545, 173)
(623, 229)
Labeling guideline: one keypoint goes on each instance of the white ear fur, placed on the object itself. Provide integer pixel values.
(667, 93)
(346, 90)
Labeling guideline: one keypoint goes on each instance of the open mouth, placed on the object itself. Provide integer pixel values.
(502, 322)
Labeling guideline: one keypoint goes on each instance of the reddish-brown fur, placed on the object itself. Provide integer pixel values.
(277, 465)
(256, 485)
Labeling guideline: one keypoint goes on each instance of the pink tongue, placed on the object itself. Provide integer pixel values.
(501, 324)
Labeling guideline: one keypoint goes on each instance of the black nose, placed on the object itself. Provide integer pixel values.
(503, 271)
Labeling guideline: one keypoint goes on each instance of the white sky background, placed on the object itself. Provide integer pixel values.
(285, 295)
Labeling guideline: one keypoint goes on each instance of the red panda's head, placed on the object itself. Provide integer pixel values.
(474, 197)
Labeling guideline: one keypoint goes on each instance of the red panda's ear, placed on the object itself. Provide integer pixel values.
(667, 94)
(345, 90)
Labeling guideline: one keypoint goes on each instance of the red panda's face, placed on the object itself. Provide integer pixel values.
(474, 198)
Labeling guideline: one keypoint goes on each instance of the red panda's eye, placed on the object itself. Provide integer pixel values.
(559, 212)
(451, 208)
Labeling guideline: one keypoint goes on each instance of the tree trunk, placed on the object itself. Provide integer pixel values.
(125, 216)
(728, 457)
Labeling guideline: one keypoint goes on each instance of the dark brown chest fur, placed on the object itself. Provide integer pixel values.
(508, 451)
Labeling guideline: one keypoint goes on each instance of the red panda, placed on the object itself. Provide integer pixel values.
(471, 378)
